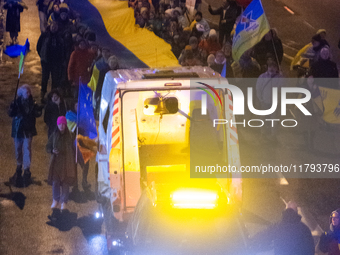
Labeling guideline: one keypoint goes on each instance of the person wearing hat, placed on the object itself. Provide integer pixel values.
(289, 236)
(329, 241)
(177, 13)
(199, 26)
(189, 59)
(323, 34)
(211, 44)
(193, 42)
(228, 13)
(62, 171)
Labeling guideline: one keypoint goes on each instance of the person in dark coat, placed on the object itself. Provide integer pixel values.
(328, 242)
(220, 63)
(324, 67)
(289, 237)
(55, 107)
(14, 8)
(24, 112)
(62, 171)
(269, 47)
(228, 12)
(51, 50)
(42, 9)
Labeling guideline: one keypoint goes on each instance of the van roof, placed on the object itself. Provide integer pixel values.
(126, 75)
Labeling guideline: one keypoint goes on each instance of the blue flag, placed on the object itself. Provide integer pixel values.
(86, 121)
(16, 50)
(250, 29)
(224, 70)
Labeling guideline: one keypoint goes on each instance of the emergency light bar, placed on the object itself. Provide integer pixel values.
(169, 75)
(173, 84)
(194, 199)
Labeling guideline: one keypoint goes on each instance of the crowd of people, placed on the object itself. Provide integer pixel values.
(71, 57)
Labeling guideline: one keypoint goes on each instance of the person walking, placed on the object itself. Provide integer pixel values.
(289, 236)
(51, 50)
(329, 241)
(79, 66)
(62, 171)
(14, 8)
(264, 90)
(71, 117)
(55, 107)
(24, 112)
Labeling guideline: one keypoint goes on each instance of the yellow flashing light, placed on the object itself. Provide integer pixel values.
(194, 199)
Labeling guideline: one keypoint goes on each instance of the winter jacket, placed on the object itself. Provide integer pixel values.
(210, 46)
(328, 242)
(324, 69)
(52, 112)
(227, 15)
(62, 165)
(24, 114)
(13, 16)
(289, 237)
(265, 49)
(51, 48)
(79, 65)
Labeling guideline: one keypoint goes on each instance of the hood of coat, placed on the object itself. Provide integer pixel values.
(290, 216)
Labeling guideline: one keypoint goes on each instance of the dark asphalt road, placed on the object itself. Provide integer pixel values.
(25, 227)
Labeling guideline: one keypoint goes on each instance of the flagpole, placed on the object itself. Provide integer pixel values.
(77, 121)
(276, 57)
(16, 89)
(20, 71)
(21, 65)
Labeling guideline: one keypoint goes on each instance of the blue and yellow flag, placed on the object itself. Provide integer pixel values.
(250, 29)
(86, 121)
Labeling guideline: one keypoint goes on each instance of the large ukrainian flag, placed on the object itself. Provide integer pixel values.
(250, 29)
(114, 24)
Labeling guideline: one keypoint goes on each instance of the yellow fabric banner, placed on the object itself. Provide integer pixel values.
(120, 24)
(331, 103)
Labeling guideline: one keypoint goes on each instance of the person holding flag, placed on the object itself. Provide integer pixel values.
(80, 120)
(251, 28)
(228, 12)
(24, 112)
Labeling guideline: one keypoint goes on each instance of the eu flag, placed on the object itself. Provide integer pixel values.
(86, 122)
(250, 29)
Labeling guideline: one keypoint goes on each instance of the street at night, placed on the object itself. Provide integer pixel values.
(27, 223)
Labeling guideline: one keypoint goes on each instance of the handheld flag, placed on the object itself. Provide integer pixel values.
(86, 121)
(16, 50)
(250, 29)
(224, 70)
(71, 119)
